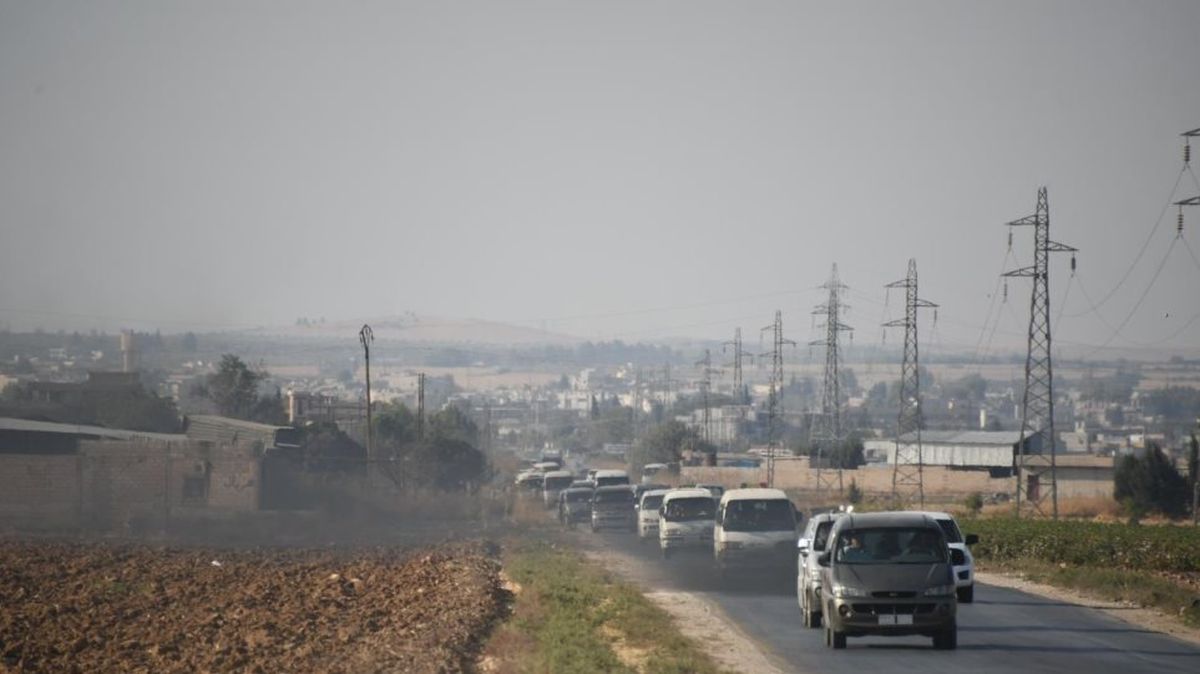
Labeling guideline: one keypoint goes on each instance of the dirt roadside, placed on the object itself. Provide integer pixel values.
(1125, 611)
(697, 617)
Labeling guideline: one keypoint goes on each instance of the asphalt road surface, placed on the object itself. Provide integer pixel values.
(1002, 631)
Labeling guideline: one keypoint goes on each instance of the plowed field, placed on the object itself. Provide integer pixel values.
(68, 607)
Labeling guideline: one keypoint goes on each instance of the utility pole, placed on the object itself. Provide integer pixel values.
(775, 394)
(1036, 479)
(908, 465)
(420, 406)
(366, 336)
(826, 433)
(739, 393)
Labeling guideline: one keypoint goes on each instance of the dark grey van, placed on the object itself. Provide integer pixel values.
(888, 574)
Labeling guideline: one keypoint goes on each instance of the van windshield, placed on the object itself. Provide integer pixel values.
(552, 483)
(609, 481)
(923, 545)
(578, 495)
(614, 496)
(764, 515)
(651, 502)
(690, 509)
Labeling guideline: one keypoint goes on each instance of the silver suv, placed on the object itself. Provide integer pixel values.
(808, 572)
(888, 574)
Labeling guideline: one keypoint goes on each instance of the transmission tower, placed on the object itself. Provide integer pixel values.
(706, 374)
(908, 467)
(739, 387)
(775, 396)
(1036, 480)
(826, 433)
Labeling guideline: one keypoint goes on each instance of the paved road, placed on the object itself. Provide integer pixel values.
(1003, 631)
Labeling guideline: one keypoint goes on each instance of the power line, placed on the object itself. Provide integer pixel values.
(826, 434)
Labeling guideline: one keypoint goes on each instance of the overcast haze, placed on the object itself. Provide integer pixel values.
(573, 165)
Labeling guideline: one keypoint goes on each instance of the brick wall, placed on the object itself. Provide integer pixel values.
(39, 491)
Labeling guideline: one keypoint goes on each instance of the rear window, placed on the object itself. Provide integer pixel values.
(690, 509)
(652, 502)
(614, 496)
(611, 481)
(558, 482)
(577, 496)
(821, 536)
(759, 515)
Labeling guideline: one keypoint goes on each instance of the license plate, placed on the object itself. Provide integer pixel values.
(895, 620)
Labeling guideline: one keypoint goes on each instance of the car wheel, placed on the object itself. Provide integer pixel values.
(838, 638)
(966, 595)
(947, 640)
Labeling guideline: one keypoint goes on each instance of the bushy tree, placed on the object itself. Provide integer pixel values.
(664, 443)
(233, 388)
(1151, 484)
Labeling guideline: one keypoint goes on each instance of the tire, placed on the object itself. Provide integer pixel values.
(966, 595)
(838, 639)
(946, 640)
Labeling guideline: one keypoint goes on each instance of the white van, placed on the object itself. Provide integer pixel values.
(554, 482)
(648, 505)
(755, 528)
(685, 520)
(610, 478)
(650, 472)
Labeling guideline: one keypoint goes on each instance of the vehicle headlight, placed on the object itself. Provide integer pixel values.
(843, 591)
(940, 591)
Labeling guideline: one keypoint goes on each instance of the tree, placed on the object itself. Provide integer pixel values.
(664, 443)
(1151, 484)
(234, 390)
(451, 423)
(394, 425)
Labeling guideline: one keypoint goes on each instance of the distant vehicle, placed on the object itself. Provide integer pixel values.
(960, 555)
(612, 508)
(639, 489)
(888, 574)
(651, 470)
(608, 478)
(574, 506)
(755, 528)
(546, 466)
(554, 482)
(808, 573)
(529, 483)
(717, 490)
(685, 521)
(647, 513)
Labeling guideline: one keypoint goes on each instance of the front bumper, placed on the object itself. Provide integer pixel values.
(696, 541)
(615, 520)
(898, 617)
(757, 557)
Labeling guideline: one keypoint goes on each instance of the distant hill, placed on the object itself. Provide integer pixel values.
(426, 329)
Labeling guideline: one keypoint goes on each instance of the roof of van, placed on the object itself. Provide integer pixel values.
(654, 492)
(615, 487)
(934, 515)
(673, 494)
(754, 493)
(611, 473)
(885, 520)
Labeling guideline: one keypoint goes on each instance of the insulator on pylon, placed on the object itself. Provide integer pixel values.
(1179, 223)
(1187, 152)
(1005, 291)
(1010, 240)
(1072, 264)
(935, 316)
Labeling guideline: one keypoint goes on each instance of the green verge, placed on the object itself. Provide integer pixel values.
(570, 616)
(1116, 562)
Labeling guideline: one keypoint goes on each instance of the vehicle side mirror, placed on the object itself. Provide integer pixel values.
(972, 539)
(803, 546)
(823, 559)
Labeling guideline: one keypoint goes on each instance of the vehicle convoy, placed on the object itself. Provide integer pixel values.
(612, 508)
(960, 555)
(647, 513)
(529, 483)
(639, 489)
(755, 528)
(575, 505)
(554, 482)
(888, 574)
(685, 521)
(608, 478)
(808, 573)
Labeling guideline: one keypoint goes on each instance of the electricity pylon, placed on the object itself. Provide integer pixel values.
(826, 431)
(739, 392)
(775, 396)
(705, 386)
(1037, 482)
(908, 466)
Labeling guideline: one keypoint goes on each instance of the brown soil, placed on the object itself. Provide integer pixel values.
(70, 607)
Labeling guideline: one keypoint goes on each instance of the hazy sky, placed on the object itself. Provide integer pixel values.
(576, 165)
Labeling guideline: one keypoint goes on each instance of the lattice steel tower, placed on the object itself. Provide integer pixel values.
(775, 395)
(705, 386)
(739, 388)
(1036, 479)
(908, 466)
(826, 431)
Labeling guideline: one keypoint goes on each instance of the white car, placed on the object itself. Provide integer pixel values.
(648, 506)
(755, 529)
(685, 521)
(960, 554)
(812, 543)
